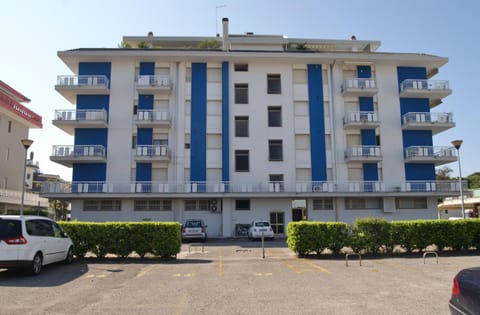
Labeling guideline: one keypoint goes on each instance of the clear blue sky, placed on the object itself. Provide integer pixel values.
(31, 33)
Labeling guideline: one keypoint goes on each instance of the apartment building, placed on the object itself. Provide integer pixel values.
(242, 127)
(15, 122)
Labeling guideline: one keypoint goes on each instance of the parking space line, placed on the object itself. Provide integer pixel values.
(316, 266)
(220, 263)
(180, 305)
(260, 274)
(144, 271)
(301, 266)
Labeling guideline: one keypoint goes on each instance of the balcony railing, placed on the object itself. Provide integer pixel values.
(152, 151)
(437, 122)
(153, 84)
(69, 119)
(430, 154)
(361, 119)
(152, 118)
(363, 153)
(435, 90)
(9, 196)
(69, 154)
(82, 81)
(359, 87)
(302, 187)
(70, 86)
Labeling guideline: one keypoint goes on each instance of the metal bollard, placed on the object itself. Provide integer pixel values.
(353, 254)
(430, 252)
(263, 246)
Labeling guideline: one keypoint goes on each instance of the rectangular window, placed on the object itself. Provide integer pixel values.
(134, 142)
(274, 116)
(152, 205)
(411, 203)
(102, 205)
(242, 204)
(241, 67)
(241, 126)
(274, 84)
(323, 204)
(241, 93)
(190, 205)
(275, 150)
(198, 205)
(363, 203)
(242, 161)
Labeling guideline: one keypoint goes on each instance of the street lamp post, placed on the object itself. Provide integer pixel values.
(457, 144)
(26, 144)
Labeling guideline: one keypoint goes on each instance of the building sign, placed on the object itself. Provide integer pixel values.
(20, 110)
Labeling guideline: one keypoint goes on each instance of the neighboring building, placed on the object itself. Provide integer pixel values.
(15, 122)
(451, 207)
(262, 127)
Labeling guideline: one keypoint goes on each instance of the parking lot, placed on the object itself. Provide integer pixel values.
(232, 277)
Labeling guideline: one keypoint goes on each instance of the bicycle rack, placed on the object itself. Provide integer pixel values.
(428, 252)
(353, 254)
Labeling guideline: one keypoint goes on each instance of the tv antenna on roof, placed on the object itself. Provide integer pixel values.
(216, 17)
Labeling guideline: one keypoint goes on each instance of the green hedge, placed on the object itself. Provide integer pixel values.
(375, 235)
(123, 238)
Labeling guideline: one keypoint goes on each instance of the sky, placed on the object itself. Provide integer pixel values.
(32, 32)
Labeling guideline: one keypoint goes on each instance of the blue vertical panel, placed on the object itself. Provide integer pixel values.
(317, 122)
(95, 68)
(368, 137)
(404, 73)
(225, 125)
(89, 172)
(198, 146)
(364, 72)
(366, 104)
(424, 172)
(370, 172)
(91, 136)
(145, 102)
(414, 105)
(147, 68)
(143, 172)
(144, 136)
(417, 138)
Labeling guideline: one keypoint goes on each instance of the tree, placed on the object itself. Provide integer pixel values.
(209, 44)
(474, 180)
(61, 209)
(443, 173)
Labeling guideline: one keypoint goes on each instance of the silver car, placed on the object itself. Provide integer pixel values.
(31, 242)
(194, 229)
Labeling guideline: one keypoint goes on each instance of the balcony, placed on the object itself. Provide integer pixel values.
(153, 84)
(69, 120)
(437, 122)
(359, 87)
(14, 197)
(307, 188)
(69, 154)
(70, 86)
(430, 154)
(149, 153)
(363, 153)
(434, 90)
(152, 118)
(361, 120)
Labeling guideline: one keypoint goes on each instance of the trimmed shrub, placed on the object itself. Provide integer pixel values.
(371, 234)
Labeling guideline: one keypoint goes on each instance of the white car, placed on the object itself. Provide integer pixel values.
(259, 228)
(194, 229)
(32, 242)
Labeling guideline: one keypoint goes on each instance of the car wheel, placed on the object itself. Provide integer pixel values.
(69, 259)
(36, 265)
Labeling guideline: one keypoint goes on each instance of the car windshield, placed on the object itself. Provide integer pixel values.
(262, 224)
(193, 224)
(10, 228)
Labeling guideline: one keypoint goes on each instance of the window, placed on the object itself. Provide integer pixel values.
(363, 203)
(199, 205)
(242, 204)
(274, 116)
(152, 205)
(323, 204)
(102, 205)
(411, 203)
(242, 161)
(135, 109)
(275, 150)
(9, 126)
(241, 126)
(241, 67)
(273, 84)
(190, 205)
(162, 142)
(134, 142)
(241, 93)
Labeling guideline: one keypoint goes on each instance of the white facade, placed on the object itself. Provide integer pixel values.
(337, 132)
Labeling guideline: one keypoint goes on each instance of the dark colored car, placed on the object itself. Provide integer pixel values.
(466, 292)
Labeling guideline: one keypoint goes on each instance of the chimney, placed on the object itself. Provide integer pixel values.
(225, 34)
